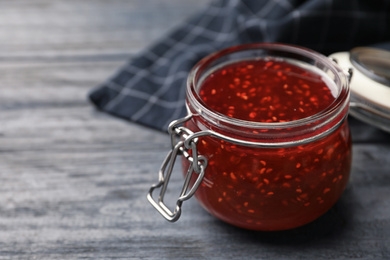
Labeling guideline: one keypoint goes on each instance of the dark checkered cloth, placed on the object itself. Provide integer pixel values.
(150, 89)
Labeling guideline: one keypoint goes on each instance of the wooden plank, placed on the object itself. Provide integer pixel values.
(71, 200)
(54, 27)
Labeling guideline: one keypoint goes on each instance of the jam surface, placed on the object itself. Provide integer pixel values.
(265, 91)
(270, 188)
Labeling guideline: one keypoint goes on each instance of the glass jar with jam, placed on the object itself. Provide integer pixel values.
(266, 144)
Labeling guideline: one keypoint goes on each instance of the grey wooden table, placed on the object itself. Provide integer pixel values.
(74, 180)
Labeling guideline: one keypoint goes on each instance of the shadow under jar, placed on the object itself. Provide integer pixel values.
(270, 120)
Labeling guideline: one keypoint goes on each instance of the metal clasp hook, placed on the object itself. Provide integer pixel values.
(198, 164)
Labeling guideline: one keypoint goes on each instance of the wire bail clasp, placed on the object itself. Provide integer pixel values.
(187, 147)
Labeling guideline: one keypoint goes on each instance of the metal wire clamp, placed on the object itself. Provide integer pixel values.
(186, 147)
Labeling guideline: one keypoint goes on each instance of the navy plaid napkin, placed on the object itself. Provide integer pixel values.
(150, 89)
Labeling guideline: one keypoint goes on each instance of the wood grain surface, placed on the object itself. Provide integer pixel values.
(74, 180)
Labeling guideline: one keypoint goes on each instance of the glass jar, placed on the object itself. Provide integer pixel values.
(268, 174)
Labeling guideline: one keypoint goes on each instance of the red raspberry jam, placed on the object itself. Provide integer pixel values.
(279, 187)
(265, 91)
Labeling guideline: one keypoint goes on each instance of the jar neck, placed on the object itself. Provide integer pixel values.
(291, 132)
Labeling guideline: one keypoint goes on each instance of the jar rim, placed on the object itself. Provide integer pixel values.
(331, 111)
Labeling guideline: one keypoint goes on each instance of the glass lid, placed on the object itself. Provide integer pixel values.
(370, 84)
